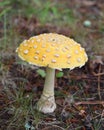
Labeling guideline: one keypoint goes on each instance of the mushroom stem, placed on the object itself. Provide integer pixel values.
(46, 103)
(49, 82)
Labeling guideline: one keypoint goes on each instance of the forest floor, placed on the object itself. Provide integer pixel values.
(21, 85)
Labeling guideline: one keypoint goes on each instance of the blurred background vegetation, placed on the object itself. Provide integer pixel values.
(26, 18)
(79, 20)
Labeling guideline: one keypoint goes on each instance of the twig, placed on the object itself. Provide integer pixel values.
(89, 102)
(50, 123)
(99, 53)
(49, 127)
(99, 74)
(99, 83)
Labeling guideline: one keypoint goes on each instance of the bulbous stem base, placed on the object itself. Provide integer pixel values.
(46, 104)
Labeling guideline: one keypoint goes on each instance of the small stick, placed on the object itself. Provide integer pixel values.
(99, 74)
(89, 102)
(99, 83)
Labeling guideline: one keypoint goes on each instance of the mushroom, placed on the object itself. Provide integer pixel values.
(53, 51)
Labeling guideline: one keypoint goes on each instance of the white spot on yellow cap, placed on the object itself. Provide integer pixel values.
(43, 59)
(32, 41)
(26, 51)
(66, 47)
(63, 49)
(79, 45)
(81, 49)
(48, 50)
(74, 43)
(68, 56)
(38, 40)
(25, 44)
(53, 61)
(43, 45)
(71, 45)
(68, 62)
(53, 44)
(44, 56)
(56, 55)
(57, 49)
(76, 51)
(35, 46)
(17, 50)
(59, 43)
(37, 52)
(35, 57)
(79, 59)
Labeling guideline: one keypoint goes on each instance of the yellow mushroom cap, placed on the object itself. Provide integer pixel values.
(52, 50)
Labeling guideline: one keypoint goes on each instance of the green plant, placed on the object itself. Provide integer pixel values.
(59, 74)
(98, 123)
(4, 6)
(41, 72)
